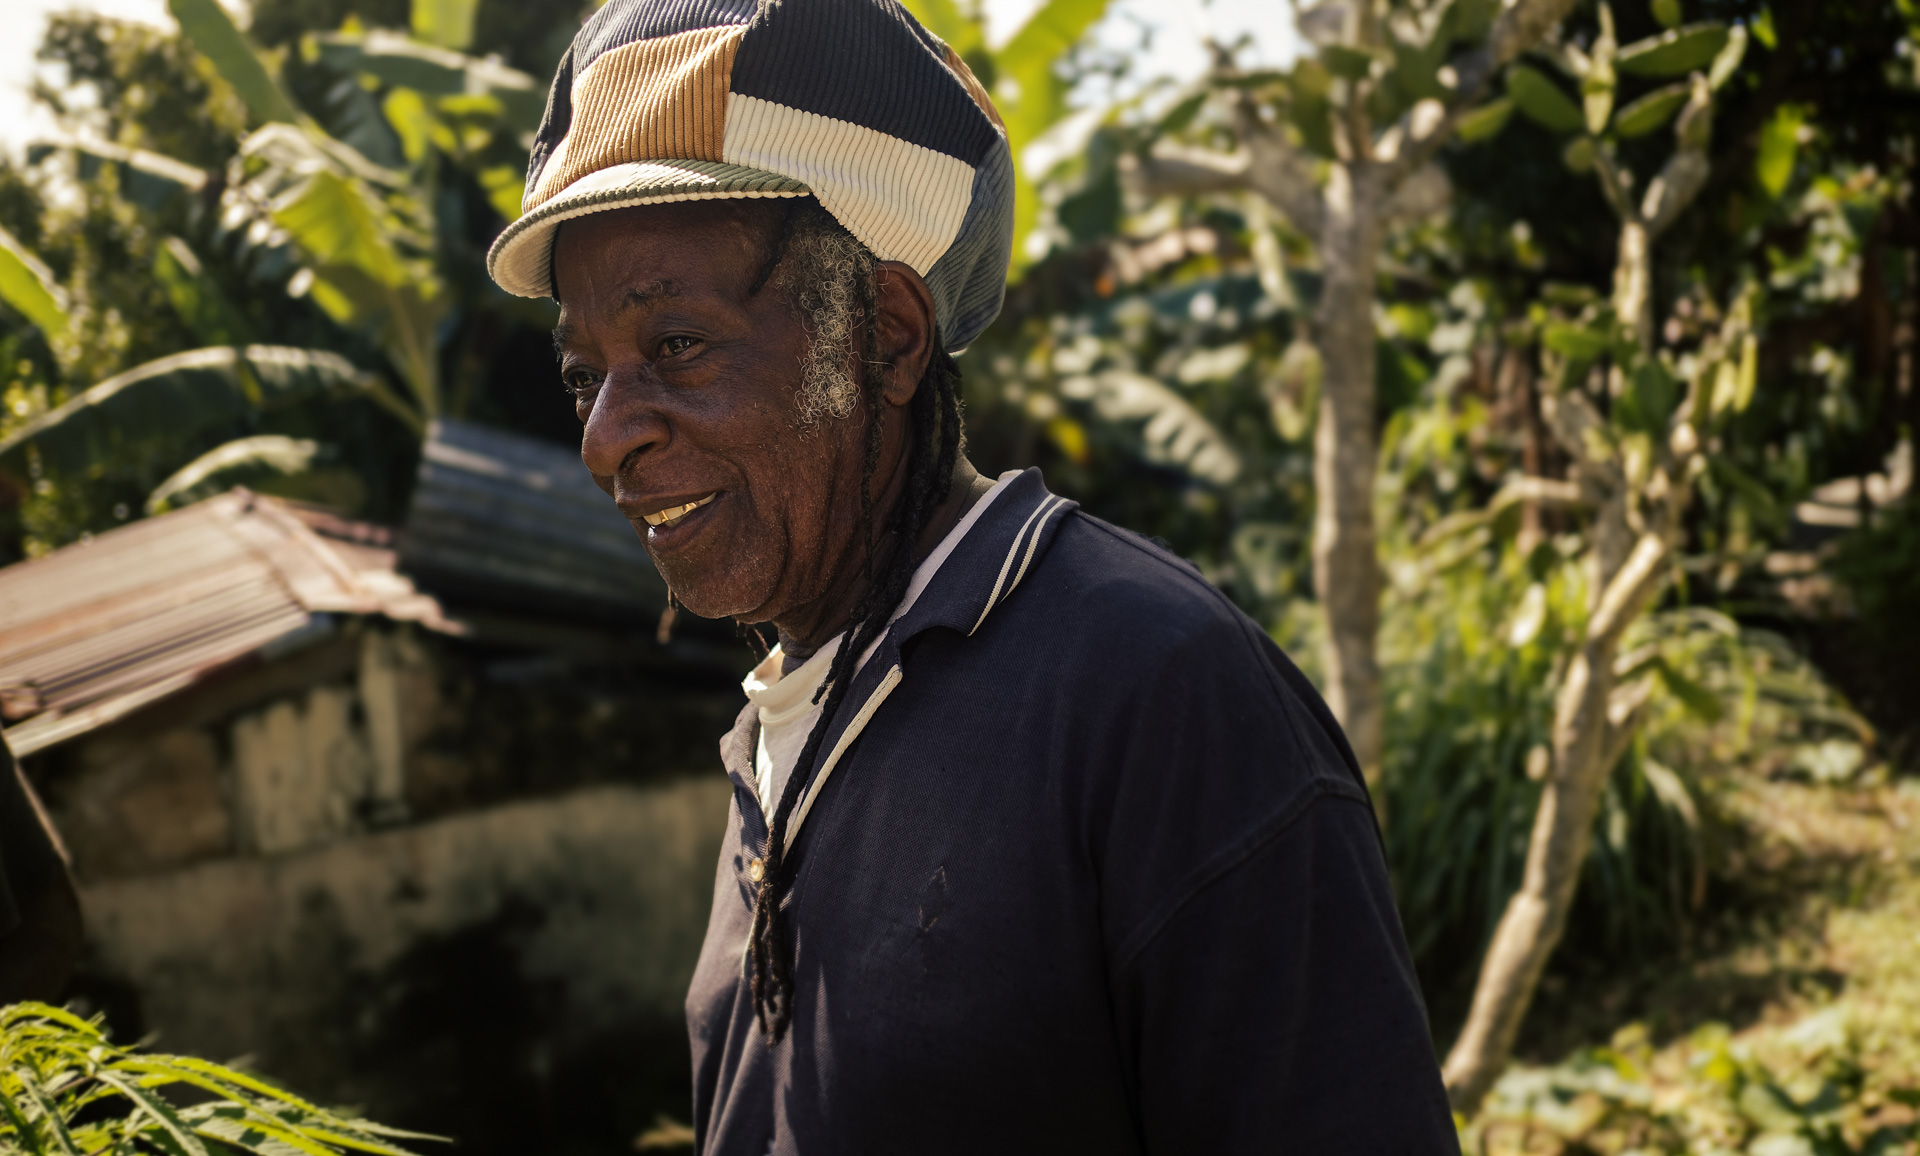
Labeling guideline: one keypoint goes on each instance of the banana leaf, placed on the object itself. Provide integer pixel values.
(448, 23)
(431, 70)
(213, 32)
(178, 398)
(28, 287)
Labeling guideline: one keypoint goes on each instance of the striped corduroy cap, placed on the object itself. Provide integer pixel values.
(847, 101)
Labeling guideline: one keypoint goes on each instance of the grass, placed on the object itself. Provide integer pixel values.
(1792, 1029)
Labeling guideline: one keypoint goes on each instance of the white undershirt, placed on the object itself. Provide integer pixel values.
(787, 709)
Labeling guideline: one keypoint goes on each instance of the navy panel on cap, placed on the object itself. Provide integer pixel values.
(969, 281)
(800, 53)
(556, 122)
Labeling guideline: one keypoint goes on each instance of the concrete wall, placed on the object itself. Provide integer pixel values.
(512, 975)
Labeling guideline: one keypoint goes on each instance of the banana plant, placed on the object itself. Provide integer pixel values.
(1028, 90)
(306, 213)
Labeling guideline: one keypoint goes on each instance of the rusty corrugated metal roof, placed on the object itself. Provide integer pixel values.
(506, 519)
(97, 630)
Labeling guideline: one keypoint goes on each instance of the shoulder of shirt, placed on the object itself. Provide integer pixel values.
(1097, 577)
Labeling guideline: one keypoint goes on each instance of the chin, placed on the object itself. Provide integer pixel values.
(708, 596)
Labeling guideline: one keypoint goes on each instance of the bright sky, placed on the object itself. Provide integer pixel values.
(1179, 27)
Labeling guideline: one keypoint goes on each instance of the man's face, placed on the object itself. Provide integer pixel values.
(688, 388)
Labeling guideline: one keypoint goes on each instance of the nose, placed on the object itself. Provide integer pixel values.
(623, 425)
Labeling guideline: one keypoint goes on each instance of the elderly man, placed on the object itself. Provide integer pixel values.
(1037, 843)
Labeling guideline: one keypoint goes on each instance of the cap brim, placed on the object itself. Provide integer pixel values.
(521, 258)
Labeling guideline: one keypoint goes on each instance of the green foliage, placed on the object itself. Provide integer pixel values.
(1675, 52)
(175, 397)
(342, 237)
(447, 23)
(66, 1089)
(1485, 121)
(1542, 101)
(1024, 77)
(1708, 1093)
(1779, 141)
(1652, 111)
(213, 32)
(27, 285)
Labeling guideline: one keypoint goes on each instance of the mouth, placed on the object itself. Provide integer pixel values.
(674, 515)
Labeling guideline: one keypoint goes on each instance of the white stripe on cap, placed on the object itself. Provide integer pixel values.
(904, 202)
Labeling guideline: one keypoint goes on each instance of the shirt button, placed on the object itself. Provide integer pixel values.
(756, 870)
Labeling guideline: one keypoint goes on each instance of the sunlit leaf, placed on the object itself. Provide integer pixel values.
(1485, 121)
(27, 285)
(432, 70)
(1575, 341)
(1779, 142)
(336, 223)
(1651, 111)
(213, 32)
(275, 452)
(945, 19)
(447, 23)
(1543, 101)
(1175, 433)
(176, 398)
(1728, 61)
(1675, 52)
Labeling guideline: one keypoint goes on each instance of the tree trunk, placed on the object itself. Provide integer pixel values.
(1346, 567)
(1626, 570)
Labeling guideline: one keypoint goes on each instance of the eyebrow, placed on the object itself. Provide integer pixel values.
(640, 297)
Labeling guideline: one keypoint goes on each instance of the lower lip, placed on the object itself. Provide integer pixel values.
(667, 538)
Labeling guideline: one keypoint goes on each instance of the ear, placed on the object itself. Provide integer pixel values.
(904, 324)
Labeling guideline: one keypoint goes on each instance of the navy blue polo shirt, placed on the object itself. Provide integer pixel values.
(1087, 867)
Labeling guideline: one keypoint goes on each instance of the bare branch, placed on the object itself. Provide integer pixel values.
(1268, 166)
(1573, 420)
(1669, 194)
(1628, 593)
(1281, 175)
(1425, 192)
(1685, 173)
(1522, 26)
(1626, 706)
(1613, 183)
(1174, 171)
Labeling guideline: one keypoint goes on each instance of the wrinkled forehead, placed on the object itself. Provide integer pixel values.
(663, 250)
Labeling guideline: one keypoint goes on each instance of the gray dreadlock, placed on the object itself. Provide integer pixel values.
(830, 277)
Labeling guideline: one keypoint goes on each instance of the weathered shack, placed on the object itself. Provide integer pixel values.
(421, 821)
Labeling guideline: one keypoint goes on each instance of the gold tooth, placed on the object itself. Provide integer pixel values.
(674, 513)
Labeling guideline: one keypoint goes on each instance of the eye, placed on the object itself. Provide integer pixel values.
(580, 381)
(676, 345)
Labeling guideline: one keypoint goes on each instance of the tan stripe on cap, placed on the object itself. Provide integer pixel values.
(659, 99)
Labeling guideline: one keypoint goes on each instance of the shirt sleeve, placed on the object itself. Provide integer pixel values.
(1263, 992)
(1276, 1010)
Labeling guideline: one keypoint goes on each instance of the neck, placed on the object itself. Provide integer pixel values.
(798, 641)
